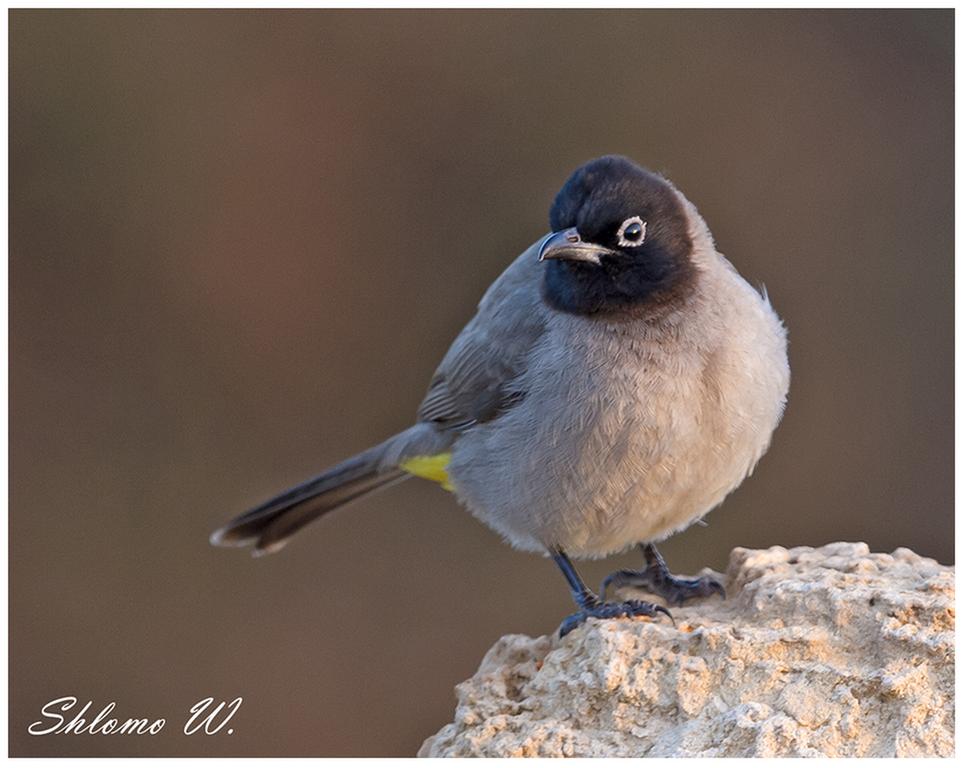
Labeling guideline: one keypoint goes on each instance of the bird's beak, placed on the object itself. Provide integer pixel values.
(569, 246)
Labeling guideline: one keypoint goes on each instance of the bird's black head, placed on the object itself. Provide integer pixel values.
(620, 241)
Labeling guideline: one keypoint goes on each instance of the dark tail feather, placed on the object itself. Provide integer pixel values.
(269, 525)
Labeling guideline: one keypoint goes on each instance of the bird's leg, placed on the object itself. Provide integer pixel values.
(590, 606)
(657, 579)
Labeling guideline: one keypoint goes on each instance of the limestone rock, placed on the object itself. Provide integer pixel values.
(831, 651)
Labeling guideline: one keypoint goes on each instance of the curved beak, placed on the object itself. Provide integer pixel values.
(569, 246)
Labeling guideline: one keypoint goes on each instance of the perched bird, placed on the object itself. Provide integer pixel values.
(619, 379)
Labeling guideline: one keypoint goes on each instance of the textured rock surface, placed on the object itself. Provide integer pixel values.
(830, 651)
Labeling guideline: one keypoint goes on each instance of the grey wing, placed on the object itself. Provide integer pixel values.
(473, 383)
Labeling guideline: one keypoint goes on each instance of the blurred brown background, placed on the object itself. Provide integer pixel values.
(240, 242)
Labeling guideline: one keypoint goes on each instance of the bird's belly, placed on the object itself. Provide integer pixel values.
(620, 468)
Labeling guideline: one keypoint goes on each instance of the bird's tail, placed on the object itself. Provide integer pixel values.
(268, 526)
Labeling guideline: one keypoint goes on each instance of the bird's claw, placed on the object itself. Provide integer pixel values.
(602, 610)
(675, 591)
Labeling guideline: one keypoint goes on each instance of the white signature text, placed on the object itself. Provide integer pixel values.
(205, 717)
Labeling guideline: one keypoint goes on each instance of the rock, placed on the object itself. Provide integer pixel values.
(816, 652)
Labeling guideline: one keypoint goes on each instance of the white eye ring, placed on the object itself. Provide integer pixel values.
(623, 228)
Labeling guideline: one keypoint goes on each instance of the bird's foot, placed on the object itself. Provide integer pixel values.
(675, 591)
(601, 610)
(657, 579)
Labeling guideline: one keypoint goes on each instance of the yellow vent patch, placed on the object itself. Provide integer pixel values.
(430, 468)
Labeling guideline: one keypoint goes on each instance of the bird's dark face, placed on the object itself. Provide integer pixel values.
(620, 241)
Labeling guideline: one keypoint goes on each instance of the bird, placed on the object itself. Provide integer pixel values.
(618, 380)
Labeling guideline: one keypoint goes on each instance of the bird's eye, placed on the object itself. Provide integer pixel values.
(632, 232)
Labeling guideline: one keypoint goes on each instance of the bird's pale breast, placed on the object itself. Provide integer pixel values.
(630, 431)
